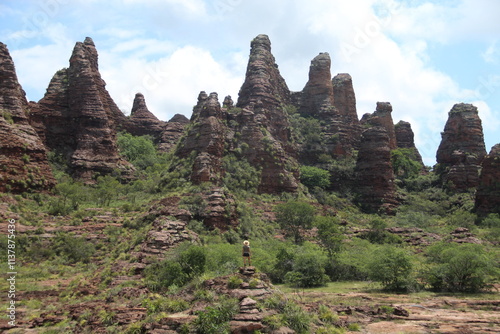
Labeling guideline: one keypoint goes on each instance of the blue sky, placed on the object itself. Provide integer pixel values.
(422, 56)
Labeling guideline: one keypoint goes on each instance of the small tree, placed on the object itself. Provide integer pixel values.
(294, 216)
(460, 268)
(329, 234)
(392, 267)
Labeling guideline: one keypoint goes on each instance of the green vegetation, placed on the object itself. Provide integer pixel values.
(313, 177)
(293, 217)
(87, 237)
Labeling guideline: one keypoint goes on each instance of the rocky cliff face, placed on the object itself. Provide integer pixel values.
(462, 148)
(142, 121)
(488, 192)
(374, 174)
(382, 117)
(78, 118)
(405, 139)
(23, 158)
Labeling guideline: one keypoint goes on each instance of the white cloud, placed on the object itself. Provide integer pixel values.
(171, 84)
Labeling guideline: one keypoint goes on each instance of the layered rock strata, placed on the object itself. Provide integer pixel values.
(374, 174)
(462, 148)
(142, 121)
(382, 116)
(78, 119)
(23, 158)
(263, 123)
(488, 191)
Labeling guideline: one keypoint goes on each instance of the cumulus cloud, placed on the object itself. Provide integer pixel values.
(170, 84)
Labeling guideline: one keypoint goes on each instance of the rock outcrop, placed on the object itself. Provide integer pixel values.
(263, 81)
(262, 122)
(23, 158)
(349, 128)
(488, 191)
(382, 117)
(142, 121)
(78, 118)
(462, 148)
(205, 140)
(376, 191)
(405, 139)
(333, 103)
(172, 132)
(317, 95)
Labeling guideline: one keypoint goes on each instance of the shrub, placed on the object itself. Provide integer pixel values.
(313, 177)
(460, 268)
(377, 233)
(234, 282)
(294, 216)
(392, 267)
(296, 318)
(162, 304)
(215, 319)
(308, 271)
(189, 263)
(284, 263)
(138, 150)
(75, 249)
(404, 164)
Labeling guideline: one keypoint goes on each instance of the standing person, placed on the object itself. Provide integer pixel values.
(246, 253)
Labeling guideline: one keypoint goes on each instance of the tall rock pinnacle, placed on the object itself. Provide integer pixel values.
(22, 154)
(462, 148)
(374, 174)
(263, 81)
(78, 118)
(317, 95)
(382, 117)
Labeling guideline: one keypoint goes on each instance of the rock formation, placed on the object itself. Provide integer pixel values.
(333, 103)
(23, 158)
(462, 148)
(263, 124)
(374, 174)
(142, 121)
(263, 81)
(349, 128)
(382, 117)
(78, 119)
(172, 132)
(205, 139)
(405, 139)
(488, 192)
(317, 95)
